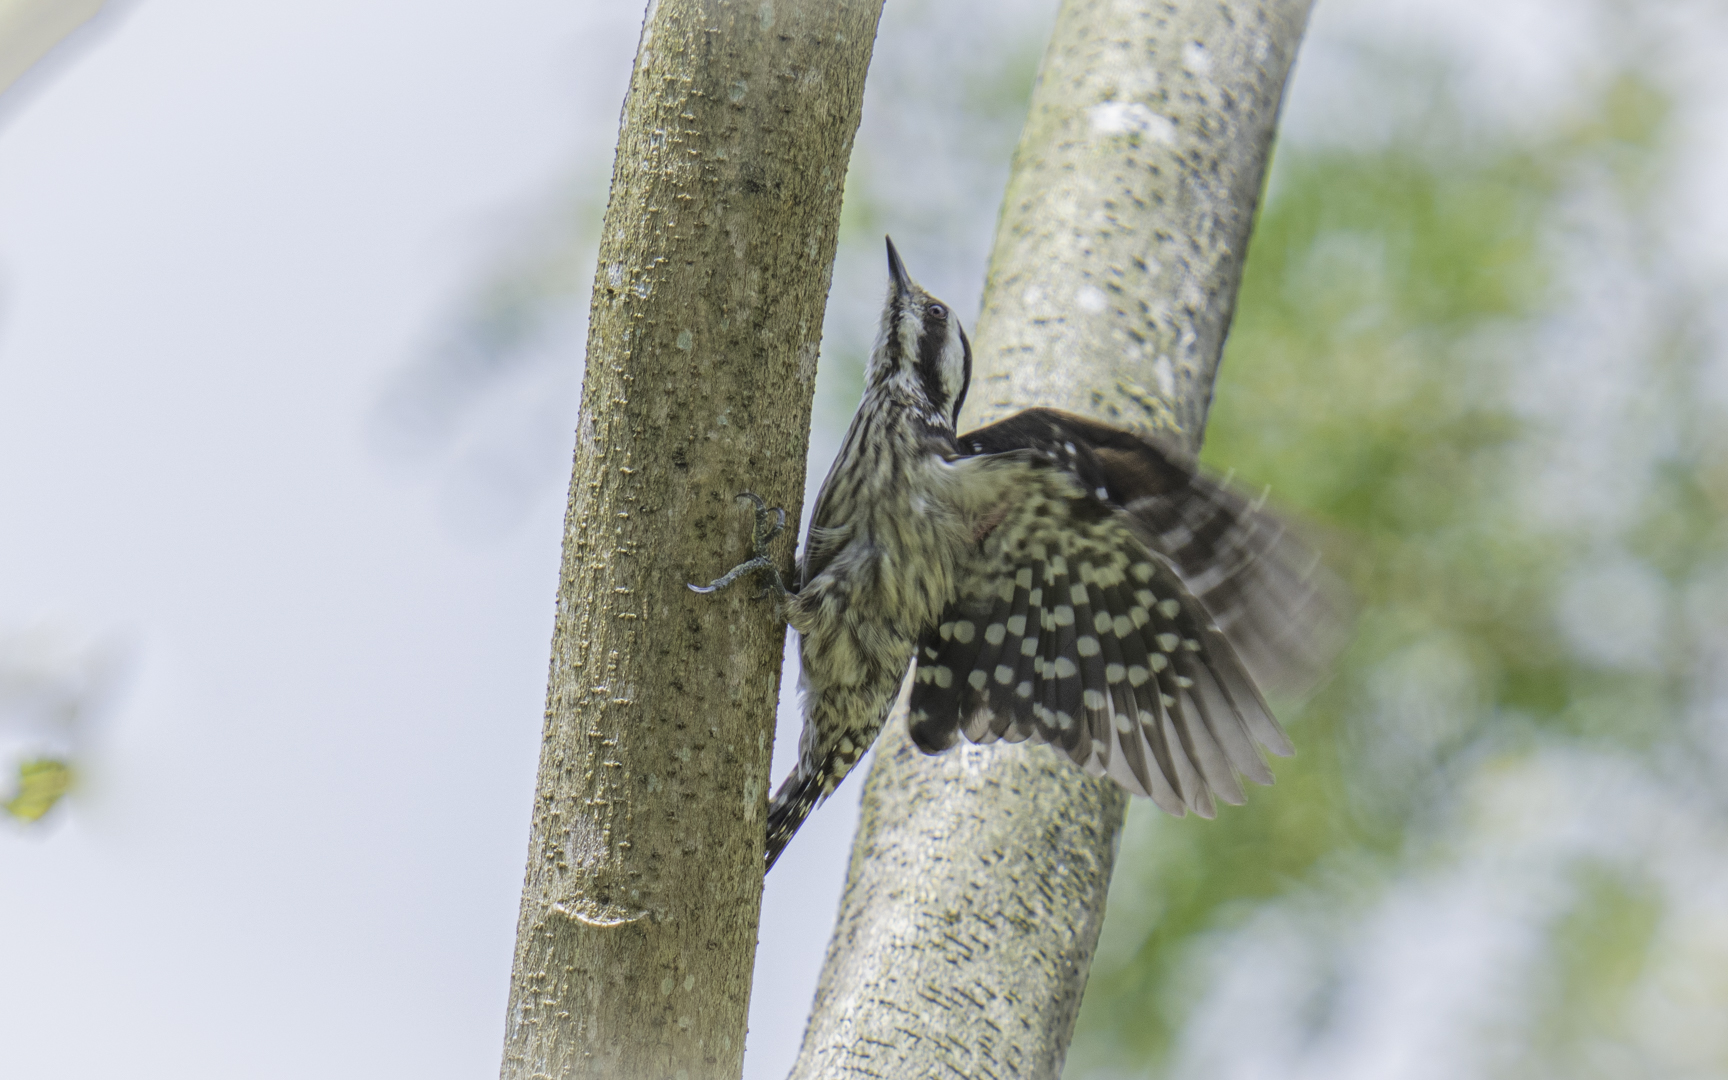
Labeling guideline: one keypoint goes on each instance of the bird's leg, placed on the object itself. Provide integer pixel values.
(767, 527)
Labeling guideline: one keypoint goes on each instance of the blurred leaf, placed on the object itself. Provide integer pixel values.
(41, 783)
(1598, 952)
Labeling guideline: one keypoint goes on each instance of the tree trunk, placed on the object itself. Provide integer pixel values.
(644, 878)
(978, 877)
(30, 29)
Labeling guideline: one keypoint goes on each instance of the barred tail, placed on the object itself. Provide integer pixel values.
(839, 726)
(797, 797)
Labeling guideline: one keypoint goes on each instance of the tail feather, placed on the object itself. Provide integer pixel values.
(797, 797)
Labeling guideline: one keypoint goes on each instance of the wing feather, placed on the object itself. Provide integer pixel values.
(1126, 610)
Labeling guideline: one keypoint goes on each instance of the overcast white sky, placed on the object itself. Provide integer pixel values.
(300, 842)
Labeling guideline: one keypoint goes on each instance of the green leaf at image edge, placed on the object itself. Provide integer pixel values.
(40, 785)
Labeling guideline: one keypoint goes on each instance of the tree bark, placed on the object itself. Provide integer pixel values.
(978, 877)
(30, 30)
(644, 878)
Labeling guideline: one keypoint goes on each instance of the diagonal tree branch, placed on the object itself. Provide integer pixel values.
(644, 878)
(978, 877)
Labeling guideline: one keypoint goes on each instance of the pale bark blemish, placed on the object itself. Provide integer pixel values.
(595, 914)
(686, 340)
(1165, 373)
(753, 789)
(807, 355)
(973, 760)
(1090, 299)
(1130, 118)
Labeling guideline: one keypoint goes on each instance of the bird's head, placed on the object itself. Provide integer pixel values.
(921, 351)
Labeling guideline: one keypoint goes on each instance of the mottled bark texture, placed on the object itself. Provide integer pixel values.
(644, 878)
(978, 877)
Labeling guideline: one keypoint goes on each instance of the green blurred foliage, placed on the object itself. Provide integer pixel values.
(1386, 298)
(41, 783)
(1597, 955)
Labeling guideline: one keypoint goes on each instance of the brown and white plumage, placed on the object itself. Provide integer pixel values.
(1052, 579)
(1124, 609)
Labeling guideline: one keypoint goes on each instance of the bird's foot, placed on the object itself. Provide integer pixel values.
(769, 523)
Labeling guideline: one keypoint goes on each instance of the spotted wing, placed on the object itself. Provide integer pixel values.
(1115, 608)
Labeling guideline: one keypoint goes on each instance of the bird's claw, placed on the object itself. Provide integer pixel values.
(762, 533)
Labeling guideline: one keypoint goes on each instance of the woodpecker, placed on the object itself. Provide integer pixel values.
(1047, 578)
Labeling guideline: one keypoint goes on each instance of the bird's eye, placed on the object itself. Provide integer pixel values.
(936, 311)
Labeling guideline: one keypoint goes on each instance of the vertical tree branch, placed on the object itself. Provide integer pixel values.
(978, 877)
(644, 877)
(30, 30)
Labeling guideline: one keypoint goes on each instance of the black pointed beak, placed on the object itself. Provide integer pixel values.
(897, 269)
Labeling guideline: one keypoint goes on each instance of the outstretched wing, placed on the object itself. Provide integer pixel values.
(1125, 609)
